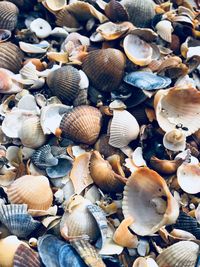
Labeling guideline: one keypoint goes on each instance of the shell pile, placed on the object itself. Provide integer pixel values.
(99, 133)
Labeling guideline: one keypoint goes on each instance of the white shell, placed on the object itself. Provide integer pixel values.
(174, 140)
(184, 155)
(28, 102)
(164, 29)
(34, 48)
(41, 28)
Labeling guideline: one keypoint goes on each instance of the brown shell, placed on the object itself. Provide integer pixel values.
(65, 18)
(64, 83)
(26, 257)
(8, 15)
(109, 68)
(82, 124)
(115, 11)
(10, 57)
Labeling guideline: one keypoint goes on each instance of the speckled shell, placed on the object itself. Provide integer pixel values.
(82, 124)
(8, 15)
(115, 11)
(65, 18)
(10, 57)
(64, 83)
(181, 254)
(32, 190)
(105, 68)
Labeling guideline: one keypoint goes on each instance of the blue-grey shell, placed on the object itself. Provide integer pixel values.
(63, 167)
(147, 80)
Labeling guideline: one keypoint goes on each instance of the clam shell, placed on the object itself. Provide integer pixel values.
(17, 220)
(82, 124)
(115, 11)
(4, 35)
(137, 50)
(32, 190)
(109, 68)
(145, 191)
(64, 83)
(147, 80)
(164, 29)
(174, 140)
(123, 129)
(181, 254)
(8, 15)
(26, 257)
(10, 57)
(56, 5)
(40, 48)
(62, 169)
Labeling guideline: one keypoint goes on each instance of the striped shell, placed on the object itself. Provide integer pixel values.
(8, 15)
(115, 11)
(64, 83)
(65, 18)
(32, 190)
(10, 57)
(82, 124)
(104, 68)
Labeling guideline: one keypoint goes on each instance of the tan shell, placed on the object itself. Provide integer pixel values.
(65, 18)
(124, 128)
(164, 29)
(165, 166)
(147, 191)
(10, 57)
(175, 140)
(109, 68)
(7, 85)
(181, 254)
(178, 106)
(115, 11)
(8, 15)
(145, 262)
(137, 50)
(64, 83)
(82, 124)
(32, 190)
(56, 5)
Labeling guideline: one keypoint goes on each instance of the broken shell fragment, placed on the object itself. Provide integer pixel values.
(40, 27)
(175, 140)
(4, 35)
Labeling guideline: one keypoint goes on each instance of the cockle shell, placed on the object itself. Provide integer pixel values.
(40, 27)
(146, 190)
(109, 68)
(115, 11)
(65, 18)
(164, 29)
(174, 140)
(32, 190)
(8, 15)
(124, 128)
(56, 5)
(82, 124)
(137, 50)
(181, 254)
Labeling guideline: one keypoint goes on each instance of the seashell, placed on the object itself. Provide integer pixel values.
(183, 253)
(178, 106)
(43, 157)
(62, 169)
(7, 85)
(31, 134)
(188, 178)
(26, 257)
(82, 124)
(165, 166)
(147, 80)
(146, 190)
(109, 68)
(56, 5)
(174, 140)
(41, 28)
(77, 220)
(123, 129)
(123, 236)
(140, 12)
(65, 18)
(10, 56)
(144, 262)
(64, 83)
(32, 190)
(145, 34)
(103, 175)
(115, 11)
(8, 15)
(138, 51)
(181, 235)
(40, 48)
(4, 35)
(17, 220)
(164, 30)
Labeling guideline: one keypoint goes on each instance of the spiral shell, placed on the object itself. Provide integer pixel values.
(8, 15)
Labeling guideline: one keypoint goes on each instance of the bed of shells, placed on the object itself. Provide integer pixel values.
(100, 133)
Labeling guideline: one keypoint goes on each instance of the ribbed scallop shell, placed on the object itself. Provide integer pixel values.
(10, 57)
(32, 190)
(181, 254)
(82, 124)
(64, 83)
(164, 29)
(105, 68)
(8, 15)
(17, 220)
(65, 18)
(116, 12)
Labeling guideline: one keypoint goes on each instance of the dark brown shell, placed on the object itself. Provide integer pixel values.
(64, 83)
(105, 68)
(8, 15)
(10, 57)
(65, 18)
(82, 124)
(116, 12)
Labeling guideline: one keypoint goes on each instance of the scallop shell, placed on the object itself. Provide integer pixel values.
(124, 128)
(17, 220)
(178, 106)
(56, 5)
(181, 254)
(10, 57)
(8, 15)
(115, 11)
(65, 18)
(64, 83)
(164, 29)
(137, 50)
(82, 124)
(147, 191)
(174, 140)
(32, 190)
(109, 68)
